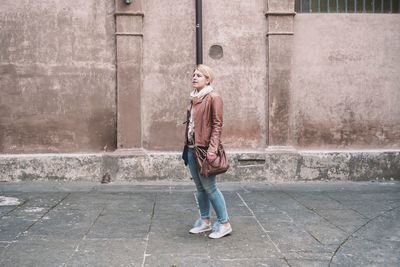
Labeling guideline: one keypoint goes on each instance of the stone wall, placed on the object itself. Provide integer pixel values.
(275, 166)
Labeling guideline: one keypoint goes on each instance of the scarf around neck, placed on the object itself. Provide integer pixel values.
(203, 92)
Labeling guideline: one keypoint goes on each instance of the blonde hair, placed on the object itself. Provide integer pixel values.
(206, 71)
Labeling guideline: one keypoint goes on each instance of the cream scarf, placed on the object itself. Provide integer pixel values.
(203, 92)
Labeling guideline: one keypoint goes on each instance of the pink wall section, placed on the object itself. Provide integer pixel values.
(70, 83)
(346, 82)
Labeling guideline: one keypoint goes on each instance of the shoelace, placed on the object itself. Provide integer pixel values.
(216, 227)
(198, 223)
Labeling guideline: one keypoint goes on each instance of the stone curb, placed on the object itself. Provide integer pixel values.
(271, 166)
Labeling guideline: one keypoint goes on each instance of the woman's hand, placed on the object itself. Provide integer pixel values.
(211, 156)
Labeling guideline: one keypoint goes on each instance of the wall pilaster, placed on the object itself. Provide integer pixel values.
(280, 16)
(129, 46)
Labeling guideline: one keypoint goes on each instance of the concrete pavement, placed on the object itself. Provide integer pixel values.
(286, 224)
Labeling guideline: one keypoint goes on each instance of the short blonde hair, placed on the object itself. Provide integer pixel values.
(206, 71)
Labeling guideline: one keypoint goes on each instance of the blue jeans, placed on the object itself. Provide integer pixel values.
(207, 192)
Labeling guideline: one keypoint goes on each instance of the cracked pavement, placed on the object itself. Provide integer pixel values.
(287, 224)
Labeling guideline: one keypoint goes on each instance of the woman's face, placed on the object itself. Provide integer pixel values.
(199, 81)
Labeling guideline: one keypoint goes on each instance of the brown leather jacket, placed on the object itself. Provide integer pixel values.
(207, 116)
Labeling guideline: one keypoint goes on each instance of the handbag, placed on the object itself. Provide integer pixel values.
(218, 166)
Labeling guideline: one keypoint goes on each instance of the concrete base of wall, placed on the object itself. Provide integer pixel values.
(270, 165)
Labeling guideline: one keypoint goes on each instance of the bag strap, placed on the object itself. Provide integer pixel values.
(201, 150)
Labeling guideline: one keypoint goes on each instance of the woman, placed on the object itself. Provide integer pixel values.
(203, 128)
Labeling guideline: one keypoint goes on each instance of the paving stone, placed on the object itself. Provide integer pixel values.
(38, 252)
(359, 252)
(247, 240)
(172, 260)
(235, 205)
(274, 217)
(325, 233)
(290, 238)
(105, 252)
(175, 239)
(385, 227)
(269, 200)
(347, 220)
(308, 263)
(318, 254)
(130, 201)
(120, 224)
(376, 243)
(12, 227)
(5, 209)
(316, 200)
(173, 217)
(128, 225)
(65, 223)
(175, 204)
(3, 246)
(22, 217)
(372, 209)
(124, 216)
(265, 262)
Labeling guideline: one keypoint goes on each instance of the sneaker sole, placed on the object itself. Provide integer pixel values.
(221, 235)
(199, 232)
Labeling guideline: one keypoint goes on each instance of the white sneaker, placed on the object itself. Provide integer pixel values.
(219, 230)
(200, 226)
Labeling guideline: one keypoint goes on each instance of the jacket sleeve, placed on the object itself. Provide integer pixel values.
(216, 123)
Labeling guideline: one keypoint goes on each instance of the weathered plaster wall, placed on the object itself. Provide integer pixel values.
(346, 82)
(57, 76)
(169, 58)
(239, 27)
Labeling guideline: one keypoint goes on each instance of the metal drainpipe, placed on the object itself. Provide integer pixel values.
(199, 33)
